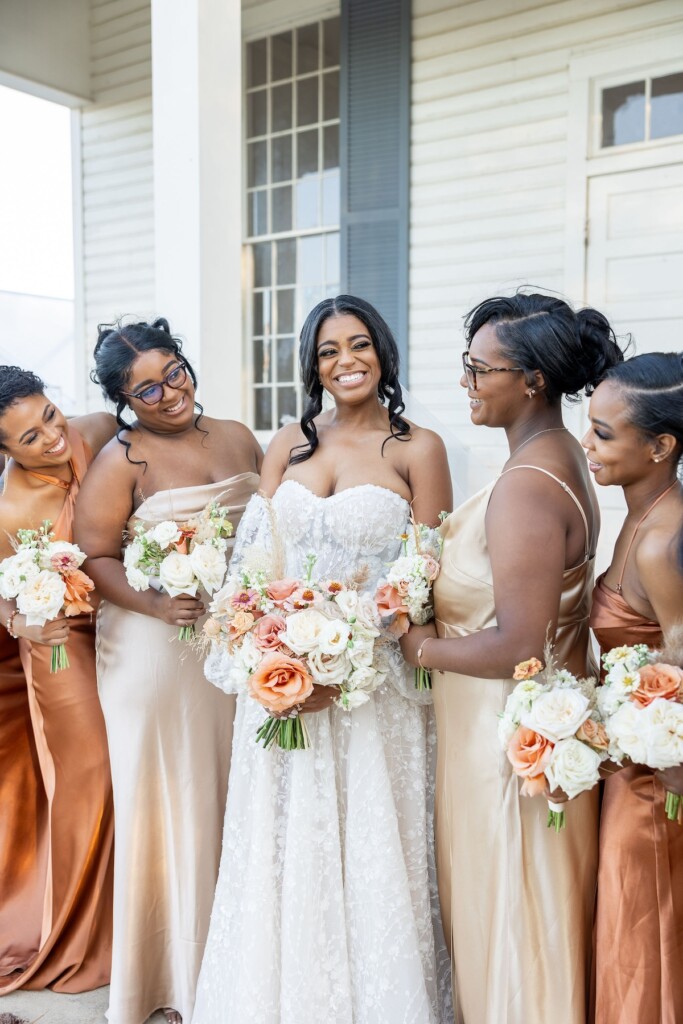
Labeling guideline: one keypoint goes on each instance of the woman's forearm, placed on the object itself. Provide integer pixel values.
(486, 654)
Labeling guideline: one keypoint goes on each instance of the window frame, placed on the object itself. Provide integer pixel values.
(643, 73)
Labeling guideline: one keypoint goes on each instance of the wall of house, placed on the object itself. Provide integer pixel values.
(490, 129)
(44, 47)
(114, 139)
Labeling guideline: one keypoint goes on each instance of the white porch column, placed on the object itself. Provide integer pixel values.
(197, 112)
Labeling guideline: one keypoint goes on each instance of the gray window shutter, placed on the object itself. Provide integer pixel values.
(375, 157)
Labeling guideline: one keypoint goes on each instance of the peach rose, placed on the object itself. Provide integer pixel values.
(529, 754)
(594, 734)
(212, 628)
(279, 590)
(267, 632)
(527, 669)
(657, 681)
(78, 586)
(241, 623)
(389, 603)
(431, 567)
(279, 683)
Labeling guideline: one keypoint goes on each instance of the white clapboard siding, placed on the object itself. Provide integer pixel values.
(117, 170)
(489, 131)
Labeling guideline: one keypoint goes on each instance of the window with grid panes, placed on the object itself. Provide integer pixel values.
(293, 198)
(643, 110)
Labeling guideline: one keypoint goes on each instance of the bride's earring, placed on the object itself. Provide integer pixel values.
(530, 394)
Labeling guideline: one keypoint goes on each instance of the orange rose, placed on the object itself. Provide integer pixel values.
(279, 683)
(279, 590)
(389, 603)
(78, 586)
(594, 734)
(529, 753)
(527, 669)
(267, 632)
(657, 681)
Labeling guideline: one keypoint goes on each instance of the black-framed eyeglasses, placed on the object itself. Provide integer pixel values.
(472, 371)
(153, 393)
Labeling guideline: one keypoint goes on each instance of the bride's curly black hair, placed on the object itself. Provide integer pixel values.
(389, 390)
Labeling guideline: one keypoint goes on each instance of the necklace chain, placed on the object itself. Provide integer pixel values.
(538, 433)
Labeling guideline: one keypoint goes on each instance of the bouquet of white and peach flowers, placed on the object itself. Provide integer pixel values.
(405, 595)
(181, 557)
(284, 635)
(45, 578)
(642, 704)
(552, 732)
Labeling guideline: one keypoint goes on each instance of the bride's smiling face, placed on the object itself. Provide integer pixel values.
(348, 364)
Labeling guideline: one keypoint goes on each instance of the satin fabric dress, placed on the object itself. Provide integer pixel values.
(639, 922)
(170, 736)
(516, 898)
(23, 832)
(71, 743)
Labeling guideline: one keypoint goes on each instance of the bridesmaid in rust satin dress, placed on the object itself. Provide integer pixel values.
(68, 905)
(636, 441)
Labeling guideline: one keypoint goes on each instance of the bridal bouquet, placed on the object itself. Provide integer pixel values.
(285, 635)
(45, 578)
(181, 556)
(552, 733)
(642, 704)
(405, 596)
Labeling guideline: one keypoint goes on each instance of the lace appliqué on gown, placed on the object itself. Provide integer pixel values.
(326, 907)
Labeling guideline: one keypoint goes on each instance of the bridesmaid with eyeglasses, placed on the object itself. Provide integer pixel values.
(169, 731)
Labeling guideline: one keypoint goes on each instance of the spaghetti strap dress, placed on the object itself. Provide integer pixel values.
(75, 944)
(516, 898)
(639, 920)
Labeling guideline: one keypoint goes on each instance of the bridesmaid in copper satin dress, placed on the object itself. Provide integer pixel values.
(517, 899)
(72, 836)
(636, 441)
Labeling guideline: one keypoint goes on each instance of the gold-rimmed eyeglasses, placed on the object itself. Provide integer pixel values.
(472, 371)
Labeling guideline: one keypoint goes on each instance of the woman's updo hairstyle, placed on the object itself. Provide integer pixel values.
(652, 386)
(389, 390)
(118, 346)
(16, 384)
(573, 350)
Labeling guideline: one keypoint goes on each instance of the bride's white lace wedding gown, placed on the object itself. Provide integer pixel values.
(325, 909)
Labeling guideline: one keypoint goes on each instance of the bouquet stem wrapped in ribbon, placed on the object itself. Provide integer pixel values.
(45, 579)
(181, 557)
(552, 733)
(405, 596)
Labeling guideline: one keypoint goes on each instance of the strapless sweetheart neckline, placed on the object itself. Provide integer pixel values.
(346, 490)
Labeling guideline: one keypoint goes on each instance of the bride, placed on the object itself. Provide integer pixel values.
(325, 908)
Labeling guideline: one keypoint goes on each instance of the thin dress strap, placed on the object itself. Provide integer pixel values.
(565, 487)
(638, 525)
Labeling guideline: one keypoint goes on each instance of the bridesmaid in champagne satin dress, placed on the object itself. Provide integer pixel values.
(169, 731)
(636, 441)
(517, 899)
(68, 827)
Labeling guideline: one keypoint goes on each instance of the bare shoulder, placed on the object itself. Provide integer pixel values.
(111, 463)
(525, 492)
(234, 431)
(96, 428)
(656, 553)
(425, 442)
(277, 455)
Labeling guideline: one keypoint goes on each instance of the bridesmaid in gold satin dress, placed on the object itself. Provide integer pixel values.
(636, 441)
(516, 898)
(61, 898)
(169, 730)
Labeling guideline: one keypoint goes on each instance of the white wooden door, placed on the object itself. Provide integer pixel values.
(634, 274)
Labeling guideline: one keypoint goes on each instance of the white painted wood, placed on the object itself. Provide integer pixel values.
(44, 48)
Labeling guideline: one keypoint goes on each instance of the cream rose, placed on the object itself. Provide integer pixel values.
(662, 722)
(573, 766)
(164, 534)
(557, 714)
(304, 630)
(328, 670)
(352, 699)
(625, 730)
(208, 564)
(137, 579)
(42, 598)
(334, 637)
(176, 575)
(15, 572)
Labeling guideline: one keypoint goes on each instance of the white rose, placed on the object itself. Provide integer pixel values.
(573, 767)
(347, 601)
(625, 731)
(137, 579)
(557, 714)
(176, 575)
(364, 677)
(304, 630)
(362, 651)
(133, 552)
(367, 617)
(328, 670)
(209, 566)
(663, 733)
(249, 654)
(507, 728)
(42, 598)
(334, 637)
(351, 699)
(164, 534)
(16, 571)
(220, 605)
